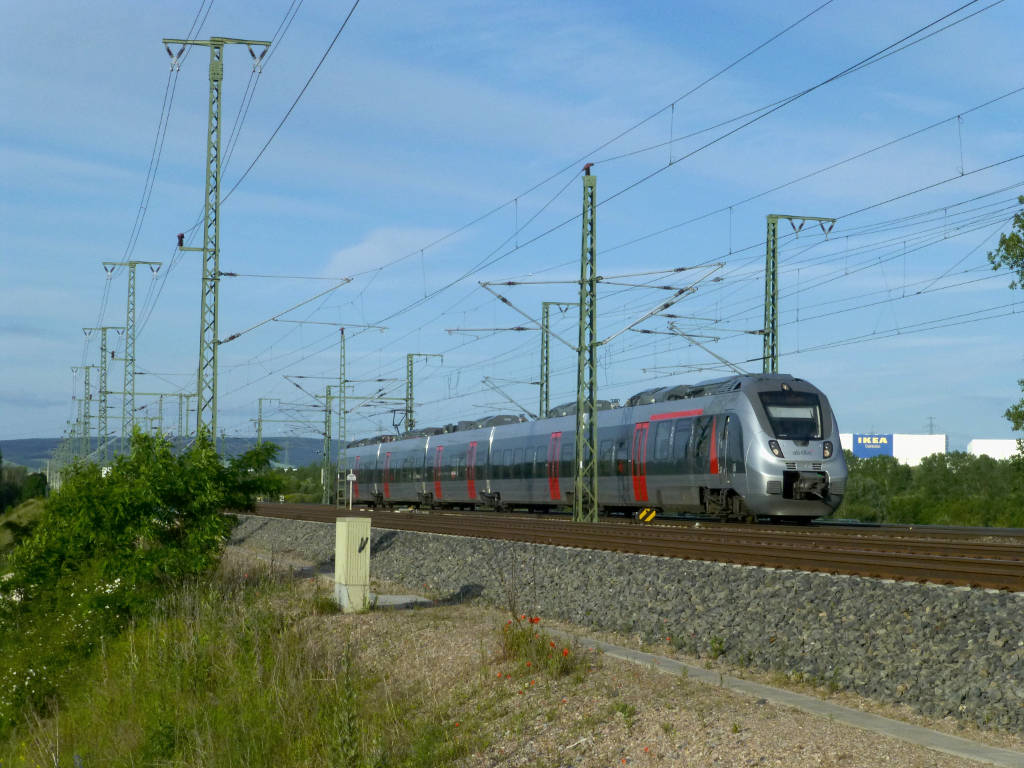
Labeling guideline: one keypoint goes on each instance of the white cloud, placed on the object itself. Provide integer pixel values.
(381, 246)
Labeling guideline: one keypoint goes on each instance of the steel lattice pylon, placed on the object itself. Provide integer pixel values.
(545, 355)
(102, 409)
(410, 415)
(128, 394)
(206, 378)
(325, 468)
(770, 353)
(342, 416)
(584, 504)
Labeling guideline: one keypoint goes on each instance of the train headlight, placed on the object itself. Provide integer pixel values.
(826, 448)
(773, 445)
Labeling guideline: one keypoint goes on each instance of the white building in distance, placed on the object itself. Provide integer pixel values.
(906, 449)
(997, 449)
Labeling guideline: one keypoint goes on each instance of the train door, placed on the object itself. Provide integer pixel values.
(730, 453)
(437, 472)
(723, 450)
(554, 452)
(638, 461)
(387, 475)
(471, 471)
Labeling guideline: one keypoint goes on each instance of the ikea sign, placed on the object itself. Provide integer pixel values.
(866, 446)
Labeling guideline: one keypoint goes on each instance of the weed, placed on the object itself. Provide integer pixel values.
(668, 728)
(322, 603)
(627, 710)
(735, 728)
(716, 646)
(523, 641)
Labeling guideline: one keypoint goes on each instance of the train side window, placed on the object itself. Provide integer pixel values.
(605, 456)
(662, 440)
(702, 437)
(681, 438)
(506, 463)
(565, 469)
(517, 463)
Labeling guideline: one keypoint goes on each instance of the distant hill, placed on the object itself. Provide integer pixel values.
(34, 452)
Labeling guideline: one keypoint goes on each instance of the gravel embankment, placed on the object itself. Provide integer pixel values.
(942, 650)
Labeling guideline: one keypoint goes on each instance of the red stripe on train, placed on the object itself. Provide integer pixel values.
(676, 415)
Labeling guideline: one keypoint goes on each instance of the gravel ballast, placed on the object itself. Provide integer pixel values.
(942, 650)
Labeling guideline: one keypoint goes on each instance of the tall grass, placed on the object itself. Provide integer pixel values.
(228, 672)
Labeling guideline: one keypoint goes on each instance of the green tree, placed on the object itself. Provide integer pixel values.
(34, 487)
(1009, 253)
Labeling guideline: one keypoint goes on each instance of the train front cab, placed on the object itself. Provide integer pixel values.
(800, 472)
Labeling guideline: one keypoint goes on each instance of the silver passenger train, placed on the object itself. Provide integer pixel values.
(739, 448)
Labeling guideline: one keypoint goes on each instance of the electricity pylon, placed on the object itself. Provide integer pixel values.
(128, 395)
(770, 353)
(326, 468)
(206, 379)
(584, 501)
(545, 354)
(103, 390)
(85, 411)
(410, 420)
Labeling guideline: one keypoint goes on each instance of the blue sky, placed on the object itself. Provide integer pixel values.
(427, 116)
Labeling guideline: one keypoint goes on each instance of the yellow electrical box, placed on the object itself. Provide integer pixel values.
(352, 563)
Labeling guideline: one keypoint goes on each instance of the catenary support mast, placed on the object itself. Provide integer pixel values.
(104, 390)
(410, 415)
(545, 355)
(584, 504)
(206, 380)
(770, 353)
(128, 395)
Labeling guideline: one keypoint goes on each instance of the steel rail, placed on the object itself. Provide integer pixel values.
(995, 566)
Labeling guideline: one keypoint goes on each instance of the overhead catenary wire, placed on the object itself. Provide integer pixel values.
(295, 103)
(822, 6)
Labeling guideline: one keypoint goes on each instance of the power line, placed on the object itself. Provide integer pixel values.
(294, 103)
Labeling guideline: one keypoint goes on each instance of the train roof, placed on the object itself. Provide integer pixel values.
(705, 388)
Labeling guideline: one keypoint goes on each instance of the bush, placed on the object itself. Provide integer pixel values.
(104, 548)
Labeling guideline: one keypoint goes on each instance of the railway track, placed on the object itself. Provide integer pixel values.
(880, 553)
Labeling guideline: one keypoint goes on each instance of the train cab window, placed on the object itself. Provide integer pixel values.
(681, 438)
(793, 415)
(662, 441)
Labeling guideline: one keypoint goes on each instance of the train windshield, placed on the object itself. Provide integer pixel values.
(793, 415)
